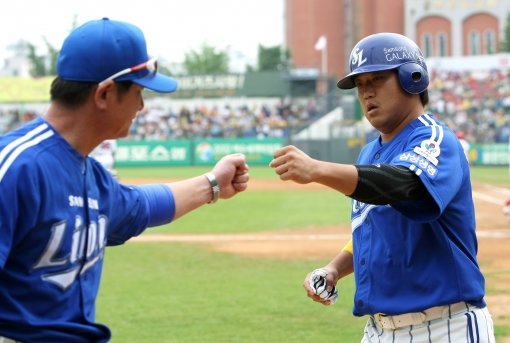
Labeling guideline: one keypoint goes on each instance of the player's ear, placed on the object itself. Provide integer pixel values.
(101, 93)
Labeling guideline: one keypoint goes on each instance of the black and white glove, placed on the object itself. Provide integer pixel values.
(317, 282)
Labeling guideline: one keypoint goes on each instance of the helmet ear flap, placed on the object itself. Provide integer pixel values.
(413, 78)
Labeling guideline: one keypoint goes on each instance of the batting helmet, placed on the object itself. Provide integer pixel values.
(386, 51)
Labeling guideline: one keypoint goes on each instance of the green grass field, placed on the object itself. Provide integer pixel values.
(176, 292)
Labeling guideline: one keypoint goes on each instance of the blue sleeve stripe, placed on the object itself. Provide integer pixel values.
(161, 204)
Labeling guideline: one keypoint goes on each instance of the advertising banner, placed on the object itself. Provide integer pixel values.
(490, 154)
(257, 151)
(194, 152)
(153, 153)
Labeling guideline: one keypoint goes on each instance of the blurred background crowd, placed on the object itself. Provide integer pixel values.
(477, 104)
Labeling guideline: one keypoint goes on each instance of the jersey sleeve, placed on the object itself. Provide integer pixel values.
(128, 217)
(123, 207)
(434, 155)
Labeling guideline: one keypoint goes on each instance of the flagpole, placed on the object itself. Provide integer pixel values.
(325, 60)
(325, 67)
(322, 45)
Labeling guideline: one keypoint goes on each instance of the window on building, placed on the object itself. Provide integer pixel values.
(474, 43)
(442, 44)
(490, 42)
(427, 45)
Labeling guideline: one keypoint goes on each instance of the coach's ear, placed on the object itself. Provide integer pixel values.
(101, 93)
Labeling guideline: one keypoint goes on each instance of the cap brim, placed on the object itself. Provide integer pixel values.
(158, 83)
(348, 82)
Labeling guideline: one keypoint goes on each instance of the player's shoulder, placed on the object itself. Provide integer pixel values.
(26, 133)
(427, 121)
(23, 147)
(432, 144)
(431, 127)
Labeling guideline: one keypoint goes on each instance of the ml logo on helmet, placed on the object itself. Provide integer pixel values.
(357, 57)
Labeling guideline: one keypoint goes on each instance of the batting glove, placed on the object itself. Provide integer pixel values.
(317, 282)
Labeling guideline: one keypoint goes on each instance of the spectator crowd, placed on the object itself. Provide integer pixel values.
(221, 121)
(477, 104)
(474, 104)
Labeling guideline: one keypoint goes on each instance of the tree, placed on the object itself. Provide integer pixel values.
(43, 65)
(505, 43)
(206, 60)
(51, 58)
(273, 58)
(38, 62)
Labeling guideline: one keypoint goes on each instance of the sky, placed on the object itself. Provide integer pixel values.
(171, 27)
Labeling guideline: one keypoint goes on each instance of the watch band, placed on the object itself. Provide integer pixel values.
(214, 187)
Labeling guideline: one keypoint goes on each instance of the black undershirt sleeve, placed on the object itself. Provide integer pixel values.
(383, 184)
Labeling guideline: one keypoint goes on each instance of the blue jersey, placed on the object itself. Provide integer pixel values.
(58, 211)
(413, 255)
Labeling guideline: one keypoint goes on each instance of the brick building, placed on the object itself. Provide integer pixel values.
(440, 27)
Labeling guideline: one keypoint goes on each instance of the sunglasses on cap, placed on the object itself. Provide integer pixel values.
(151, 65)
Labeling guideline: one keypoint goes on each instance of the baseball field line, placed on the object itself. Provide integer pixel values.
(495, 234)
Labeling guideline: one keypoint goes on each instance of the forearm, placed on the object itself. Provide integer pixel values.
(190, 194)
(342, 264)
(167, 202)
(170, 201)
(341, 177)
(293, 164)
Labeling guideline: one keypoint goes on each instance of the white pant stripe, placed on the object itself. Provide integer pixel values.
(448, 326)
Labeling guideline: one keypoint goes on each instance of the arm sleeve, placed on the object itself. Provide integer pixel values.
(348, 247)
(161, 204)
(383, 184)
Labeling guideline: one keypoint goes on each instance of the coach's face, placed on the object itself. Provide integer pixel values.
(129, 104)
(385, 104)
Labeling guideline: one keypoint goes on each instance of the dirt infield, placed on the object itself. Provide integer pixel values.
(493, 230)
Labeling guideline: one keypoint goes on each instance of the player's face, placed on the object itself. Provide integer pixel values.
(129, 105)
(385, 104)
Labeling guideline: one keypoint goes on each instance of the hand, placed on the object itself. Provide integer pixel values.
(320, 287)
(293, 164)
(232, 175)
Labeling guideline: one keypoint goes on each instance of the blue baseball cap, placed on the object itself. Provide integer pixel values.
(98, 49)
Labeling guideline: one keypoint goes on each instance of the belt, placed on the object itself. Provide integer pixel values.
(415, 318)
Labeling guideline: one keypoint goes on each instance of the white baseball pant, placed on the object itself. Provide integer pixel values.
(469, 324)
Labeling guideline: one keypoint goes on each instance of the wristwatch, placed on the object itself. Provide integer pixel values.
(214, 187)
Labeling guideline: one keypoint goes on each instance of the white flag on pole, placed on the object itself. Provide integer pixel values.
(321, 43)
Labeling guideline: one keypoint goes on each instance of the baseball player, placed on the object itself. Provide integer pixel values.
(464, 143)
(104, 153)
(506, 209)
(413, 222)
(59, 208)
